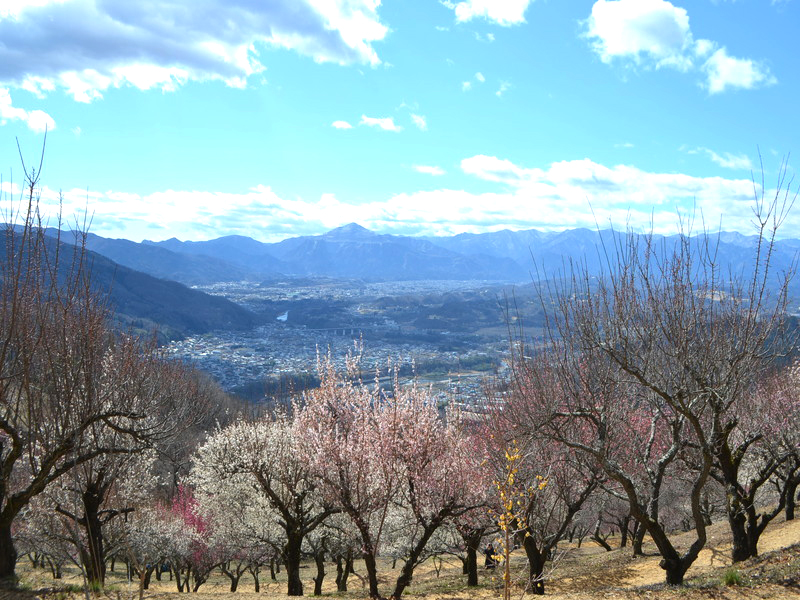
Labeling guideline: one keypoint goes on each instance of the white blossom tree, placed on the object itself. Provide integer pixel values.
(263, 458)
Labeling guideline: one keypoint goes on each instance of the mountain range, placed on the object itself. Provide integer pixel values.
(354, 252)
(148, 280)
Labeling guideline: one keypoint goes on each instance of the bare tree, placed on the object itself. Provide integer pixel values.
(667, 333)
(70, 389)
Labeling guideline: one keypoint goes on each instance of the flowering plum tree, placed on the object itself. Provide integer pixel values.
(371, 451)
(262, 458)
(195, 556)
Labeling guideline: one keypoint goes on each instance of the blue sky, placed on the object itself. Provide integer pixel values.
(272, 118)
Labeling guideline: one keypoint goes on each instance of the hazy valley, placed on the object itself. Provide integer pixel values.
(250, 313)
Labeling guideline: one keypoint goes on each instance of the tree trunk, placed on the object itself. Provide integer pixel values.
(598, 537)
(472, 541)
(199, 579)
(742, 548)
(55, 569)
(536, 562)
(638, 539)
(272, 574)
(254, 571)
(341, 582)
(319, 560)
(178, 579)
(472, 566)
(675, 569)
(339, 572)
(96, 564)
(148, 575)
(291, 560)
(407, 572)
(372, 574)
(344, 566)
(623, 531)
(791, 497)
(235, 575)
(8, 554)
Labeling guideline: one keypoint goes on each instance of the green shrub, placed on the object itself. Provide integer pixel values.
(732, 577)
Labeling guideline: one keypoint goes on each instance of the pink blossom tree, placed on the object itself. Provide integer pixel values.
(371, 450)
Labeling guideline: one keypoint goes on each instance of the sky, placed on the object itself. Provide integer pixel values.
(197, 119)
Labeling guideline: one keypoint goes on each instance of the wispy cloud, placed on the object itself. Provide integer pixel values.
(726, 160)
(384, 123)
(504, 87)
(429, 170)
(341, 125)
(420, 121)
(36, 120)
(467, 85)
(500, 12)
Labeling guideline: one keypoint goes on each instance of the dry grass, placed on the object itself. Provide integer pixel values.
(585, 572)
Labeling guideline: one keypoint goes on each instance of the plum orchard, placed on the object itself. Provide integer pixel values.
(654, 395)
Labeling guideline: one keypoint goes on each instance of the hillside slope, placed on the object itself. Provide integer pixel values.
(146, 303)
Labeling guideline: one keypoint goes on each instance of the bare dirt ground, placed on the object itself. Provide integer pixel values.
(585, 572)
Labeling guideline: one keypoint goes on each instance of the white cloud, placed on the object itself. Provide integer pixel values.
(36, 120)
(504, 87)
(77, 131)
(429, 170)
(501, 12)
(561, 193)
(725, 72)
(657, 33)
(385, 123)
(727, 160)
(555, 196)
(420, 121)
(467, 85)
(87, 46)
(341, 125)
(641, 30)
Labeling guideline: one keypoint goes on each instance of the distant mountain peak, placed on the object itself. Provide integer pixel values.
(350, 230)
